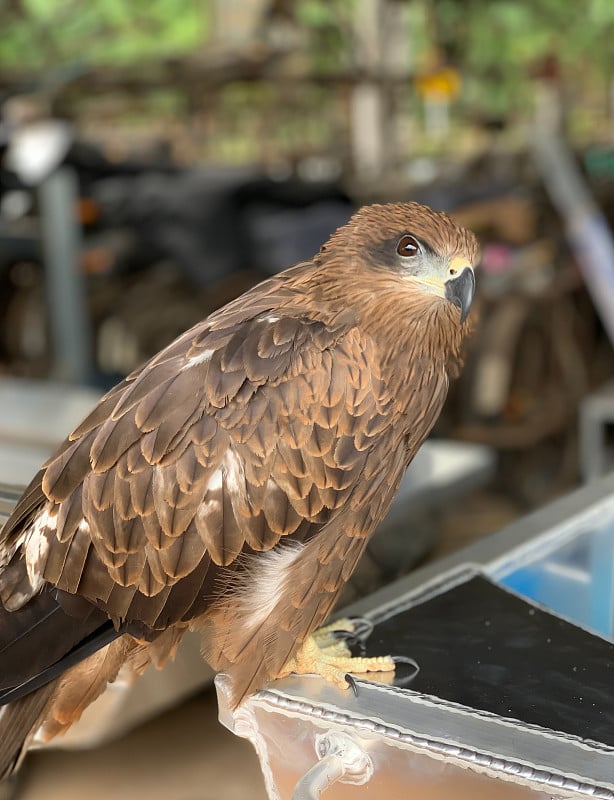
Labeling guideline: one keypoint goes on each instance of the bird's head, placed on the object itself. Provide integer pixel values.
(409, 249)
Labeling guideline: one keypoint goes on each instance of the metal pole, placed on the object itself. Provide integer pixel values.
(586, 227)
(71, 336)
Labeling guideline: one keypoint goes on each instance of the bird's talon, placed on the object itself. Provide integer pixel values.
(409, 662)
(327, 654)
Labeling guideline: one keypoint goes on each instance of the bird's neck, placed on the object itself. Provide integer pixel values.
(409, 327)
(417, 336)
(419, 346)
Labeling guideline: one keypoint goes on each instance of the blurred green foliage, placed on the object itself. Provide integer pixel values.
(495, 44)
(482, 34)
(51, 33)
(498, 45)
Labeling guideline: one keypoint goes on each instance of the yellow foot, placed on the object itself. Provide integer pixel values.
(327, 655)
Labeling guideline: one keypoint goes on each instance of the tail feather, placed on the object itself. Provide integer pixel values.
(19, 721)
(50, 709)
(43, 638)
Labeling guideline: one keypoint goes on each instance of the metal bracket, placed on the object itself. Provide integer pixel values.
(341, 759)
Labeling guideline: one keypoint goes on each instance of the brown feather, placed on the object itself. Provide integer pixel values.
(112, 440)
(74, 565)
(69, 516)
(64, 473)
(102, 411)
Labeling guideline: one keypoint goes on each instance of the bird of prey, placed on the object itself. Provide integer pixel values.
(230, 485)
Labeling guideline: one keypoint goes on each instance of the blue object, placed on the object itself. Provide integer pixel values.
(574, 577)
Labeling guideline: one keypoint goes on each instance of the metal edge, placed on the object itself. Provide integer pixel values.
(473, 757)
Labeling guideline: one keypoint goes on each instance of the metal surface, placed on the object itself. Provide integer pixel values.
(453, 732)
(341, 759)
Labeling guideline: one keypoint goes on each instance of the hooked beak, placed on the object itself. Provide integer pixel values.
(460, 291)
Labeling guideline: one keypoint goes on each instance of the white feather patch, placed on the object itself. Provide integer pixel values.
(233, 469)
(216, 480)
(36, 545)
(230, 473)
(266, 580)
(198, 359)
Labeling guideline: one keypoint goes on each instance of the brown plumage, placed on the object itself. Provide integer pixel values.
(231, 483)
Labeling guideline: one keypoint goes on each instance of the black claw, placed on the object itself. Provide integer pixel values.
(357, 637)
(347, 636)
(363, 628)
(408, 678)
(352, 640)
(352, 683)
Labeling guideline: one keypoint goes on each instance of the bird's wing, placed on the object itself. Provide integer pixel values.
(240, 433)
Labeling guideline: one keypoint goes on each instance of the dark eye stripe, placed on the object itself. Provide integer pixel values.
(408, 246)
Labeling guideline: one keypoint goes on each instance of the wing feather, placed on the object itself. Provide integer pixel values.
(69, 517)
(248, 429)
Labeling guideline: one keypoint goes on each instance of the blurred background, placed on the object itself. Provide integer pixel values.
(159, 157)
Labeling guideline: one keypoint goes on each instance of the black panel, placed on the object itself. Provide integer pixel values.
(485, 648)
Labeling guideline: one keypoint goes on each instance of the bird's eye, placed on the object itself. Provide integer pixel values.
(408, 246)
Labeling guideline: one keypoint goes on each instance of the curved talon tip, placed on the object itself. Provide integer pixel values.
(347, 636)
(411, 663)
(363, 628)
(352, 683)
(352, 639)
